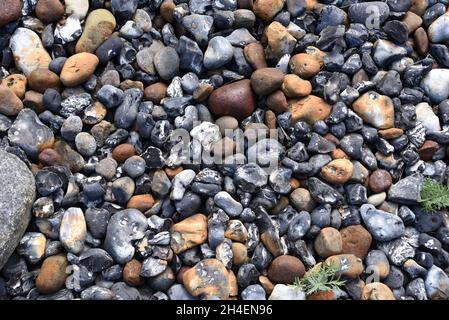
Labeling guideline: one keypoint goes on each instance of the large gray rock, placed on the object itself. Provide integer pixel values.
(17, 194)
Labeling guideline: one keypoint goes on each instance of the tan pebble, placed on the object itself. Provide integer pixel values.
(78, 69)
(304, 65)
(17, 83)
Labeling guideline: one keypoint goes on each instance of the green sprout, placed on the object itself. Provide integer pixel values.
(323, 279)
(434, 196)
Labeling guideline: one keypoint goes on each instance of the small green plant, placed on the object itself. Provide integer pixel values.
(323, 279)
(434, 196)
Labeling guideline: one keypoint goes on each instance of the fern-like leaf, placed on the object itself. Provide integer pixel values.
(323, 279)
(434, 196)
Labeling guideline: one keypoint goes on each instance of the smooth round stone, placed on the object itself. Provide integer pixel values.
(85, 144)
(285, 269)
(382, 225)
(77, 8)
(224, 200)
(235, 99)
(10, 104)
(28, 51)
(227, 124)
(73, 230)
(380, 180)
(32, 247)
(377, 199)
(438, 30)
(143, 20)
(376, 262)
(10, 11)
(122, 189)
(29, 133)
(372, 14)
(99, 26)
(375, 109)
(71, 127)
(78, 69)
(437, 284)
(52, 275)
(124, 227)
(134, 166)
(218, 53)
(427, 117)
(267, 9)
(166, 62)
(49, 10)
(266, 80)
(253, 292)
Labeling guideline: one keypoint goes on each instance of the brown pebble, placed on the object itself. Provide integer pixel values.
(267, 9)
(310, 109)
(427, 150)
(10, 104)
(49, 10)
(421, 42)
(202, 92)
(78, 69)
(339, 154)
(131, 273)
(356, 240)
(123, 151)
(239, 253)
(285, 269)
(277, 102)
(391, 133)
(49, 157)
(17, 83)
(270, 119)
(156, 92)
(34, 100)
(328, 242)
(266, 283)
(52, 274)
(377, 291)
(295, 87)
(166, 10)
(322, 295)
(266, 80)
(128, 84)
(337, 171)
(10, 10)
(41, 79)
(412, 20)
(304, 65)
(142, 202)
(380, 180)
(255, 55)
(235, 99)
(172, 172)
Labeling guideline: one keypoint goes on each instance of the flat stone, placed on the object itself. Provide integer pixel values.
(16, 199)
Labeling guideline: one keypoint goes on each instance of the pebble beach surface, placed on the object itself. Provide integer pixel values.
(222, 149)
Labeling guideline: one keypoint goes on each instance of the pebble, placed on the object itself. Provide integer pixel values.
(348, 265)
(49, 10)
(328, 242)
(32, 246)
(427, 117)
(10, 11)
(254, 54)
(377, 291)
(438, 29)
(434, 84)
(304, 65)
(166, 62)
(407, 190)
(382, 225)
(235, 100)
(208, 279)
(10, 104)
(280, 42)
(122, 189)
(218, 53)
(78, 69)
(199, 26)
(338, 171)
(29, 53)
(28, 132)
(77, 8)
(295, 87)
(375, 109)
(437, 284)
(266, 80)
(285, 269)
(85, 144)
(284, 292)
(380, 180)
(377, 262)
(224, 200)
(124, 227)
(310, 109)
(267, 9)
(356, 240)
(73, 230)
(52, 275)
(188, 233)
